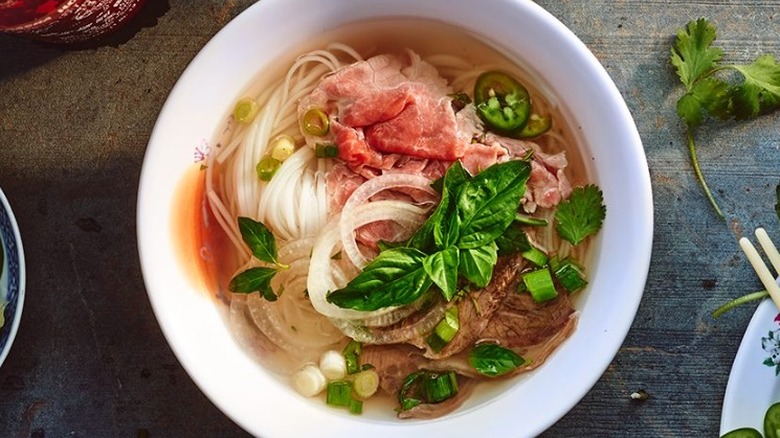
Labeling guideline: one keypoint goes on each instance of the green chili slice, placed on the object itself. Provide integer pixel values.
(536, 126)
(315, 122)
(503, 103)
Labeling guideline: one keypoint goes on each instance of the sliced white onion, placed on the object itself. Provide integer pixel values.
(410, 216)
(421, 327)
(361, 196)
(324, 275)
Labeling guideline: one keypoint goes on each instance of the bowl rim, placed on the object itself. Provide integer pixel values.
(642, 205)
(15, 234)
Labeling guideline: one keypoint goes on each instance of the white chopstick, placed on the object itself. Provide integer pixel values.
(766, 277)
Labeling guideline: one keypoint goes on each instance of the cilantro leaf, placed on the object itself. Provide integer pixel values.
(692, 55)
(581, 215)
(707, 95)
(760, 93)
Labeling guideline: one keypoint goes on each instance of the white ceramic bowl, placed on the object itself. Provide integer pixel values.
(270, 29)
(12, 277)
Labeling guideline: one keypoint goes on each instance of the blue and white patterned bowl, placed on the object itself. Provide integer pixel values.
(12, 277)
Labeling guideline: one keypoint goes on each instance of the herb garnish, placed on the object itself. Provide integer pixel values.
(427, 386)
(262, 244)
(493, 360)
(458, 239)
(581, 215)
(697, 63)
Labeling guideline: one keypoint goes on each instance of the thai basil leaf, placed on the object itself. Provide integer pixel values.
(254, 280)
(493, 360)
(487, 204)
(454, 181)
(394, 278)
(442, 268)
(259, 239)
(440, 229)
(513, 240)
(476, 264)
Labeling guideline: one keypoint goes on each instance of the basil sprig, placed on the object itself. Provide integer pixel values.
(457, 241)
(262, 244)
(493, 360)
(399, 272)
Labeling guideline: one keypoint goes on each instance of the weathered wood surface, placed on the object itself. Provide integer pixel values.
(90, 359)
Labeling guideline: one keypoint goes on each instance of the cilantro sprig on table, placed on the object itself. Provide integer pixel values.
(710, 93)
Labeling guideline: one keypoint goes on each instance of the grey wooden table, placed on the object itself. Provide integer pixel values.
(90, 360)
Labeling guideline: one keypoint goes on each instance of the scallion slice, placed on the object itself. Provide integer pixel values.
(539, 284)
(426, 386)
(339, 393)
(530, 220)
(440, 387)
(445, 330)
(351, 354)
(315, 122)
(536, 256)
(356, 406)
(245, 110)
(326, 150)
(569, 274)
(267, 167)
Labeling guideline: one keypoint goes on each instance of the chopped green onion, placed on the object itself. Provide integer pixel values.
(326, 150)
(351, 354)
(315, 122)
(267, 167)
(440, 387)
(245, 110)
(426, 386)
(536, 256)
(366, 383)
(356, 407)
(282, 147)
(445, 330)
(569, 274)
(448, 327)
(540, 285)
(339, 393)
(530, 220)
